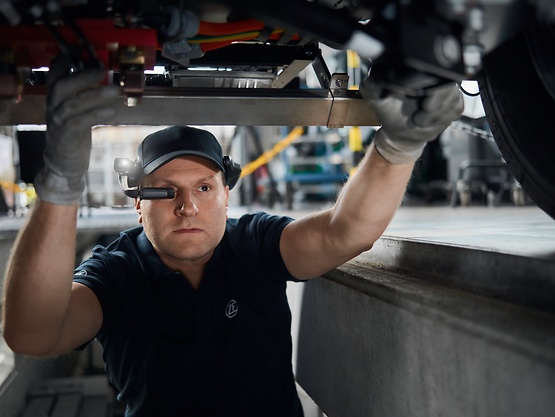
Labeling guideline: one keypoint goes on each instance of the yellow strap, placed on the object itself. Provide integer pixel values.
(269, 155)
(15, 188)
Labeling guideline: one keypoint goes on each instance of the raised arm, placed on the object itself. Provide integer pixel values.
(322, 241)
(44, 313)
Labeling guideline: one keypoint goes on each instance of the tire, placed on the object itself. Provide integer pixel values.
(521, 114)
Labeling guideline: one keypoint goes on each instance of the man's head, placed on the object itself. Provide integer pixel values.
(185, 229)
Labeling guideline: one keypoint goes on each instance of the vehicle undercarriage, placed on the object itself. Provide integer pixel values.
(238, 62)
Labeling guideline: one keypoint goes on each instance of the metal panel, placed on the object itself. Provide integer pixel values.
(252, 107)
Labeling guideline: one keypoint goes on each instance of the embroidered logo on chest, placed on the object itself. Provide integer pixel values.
(231, 309)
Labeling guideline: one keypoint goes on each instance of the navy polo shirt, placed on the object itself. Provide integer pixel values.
(223, 349)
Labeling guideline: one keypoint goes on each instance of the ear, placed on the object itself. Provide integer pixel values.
(138, 209)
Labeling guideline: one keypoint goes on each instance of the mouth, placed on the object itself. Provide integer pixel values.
(187, 230)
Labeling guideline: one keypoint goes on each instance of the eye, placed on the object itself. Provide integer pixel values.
(204, 188)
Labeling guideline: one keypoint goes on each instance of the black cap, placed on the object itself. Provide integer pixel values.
(162, 146)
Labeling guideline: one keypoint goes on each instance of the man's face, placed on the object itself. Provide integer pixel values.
(185, 230)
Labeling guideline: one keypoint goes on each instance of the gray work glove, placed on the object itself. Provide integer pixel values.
(74, 104)
(409, 123)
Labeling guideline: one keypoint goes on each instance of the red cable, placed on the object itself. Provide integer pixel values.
(229, 28)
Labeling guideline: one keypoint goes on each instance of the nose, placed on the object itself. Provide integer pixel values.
(186, 206)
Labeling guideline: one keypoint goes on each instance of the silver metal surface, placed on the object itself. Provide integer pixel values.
(223, 79)
(289, 73)
(250, 107)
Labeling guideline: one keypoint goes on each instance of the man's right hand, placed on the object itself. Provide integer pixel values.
(75, 103)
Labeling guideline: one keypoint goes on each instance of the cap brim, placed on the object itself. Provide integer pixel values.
(164, 159)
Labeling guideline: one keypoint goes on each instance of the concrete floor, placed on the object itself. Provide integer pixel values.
(525, 231)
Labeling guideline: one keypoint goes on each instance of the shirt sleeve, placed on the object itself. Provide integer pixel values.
(102, 273)
(265, 231)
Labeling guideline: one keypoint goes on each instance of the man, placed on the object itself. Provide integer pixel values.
(191, 308)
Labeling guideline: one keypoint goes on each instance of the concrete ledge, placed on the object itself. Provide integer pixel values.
(413, 329)
(523, 280)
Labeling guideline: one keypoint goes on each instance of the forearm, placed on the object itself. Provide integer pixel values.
(38, 278)
(369, 201)
(363, 210)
